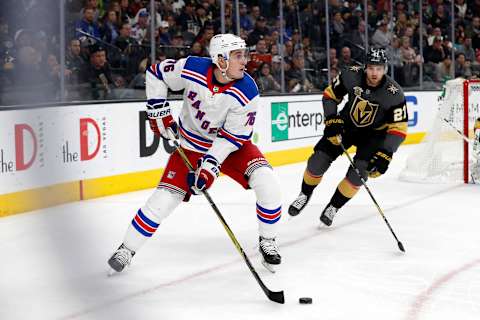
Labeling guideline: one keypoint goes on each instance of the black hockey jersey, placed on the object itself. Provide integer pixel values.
(382, 108)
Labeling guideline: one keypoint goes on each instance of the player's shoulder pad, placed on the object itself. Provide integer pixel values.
(198, 65)
(244, 90)
(352, 74)
(394, 91)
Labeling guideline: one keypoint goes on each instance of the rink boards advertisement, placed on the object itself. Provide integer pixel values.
(58, 154)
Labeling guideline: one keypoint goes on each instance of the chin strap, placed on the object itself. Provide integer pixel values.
(224, 71)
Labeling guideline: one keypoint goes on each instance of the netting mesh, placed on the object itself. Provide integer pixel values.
(440, 156)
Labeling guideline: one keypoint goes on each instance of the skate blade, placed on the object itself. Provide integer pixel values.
(268, 266)
(111, 272)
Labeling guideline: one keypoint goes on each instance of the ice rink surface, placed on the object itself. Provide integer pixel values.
(53, 261)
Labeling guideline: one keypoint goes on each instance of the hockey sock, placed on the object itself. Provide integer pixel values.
(310, 182)
(141, 228)
(344, 192)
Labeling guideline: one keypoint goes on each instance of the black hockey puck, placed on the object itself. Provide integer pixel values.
(305, 300)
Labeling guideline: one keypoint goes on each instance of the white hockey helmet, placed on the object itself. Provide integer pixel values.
(223, 44)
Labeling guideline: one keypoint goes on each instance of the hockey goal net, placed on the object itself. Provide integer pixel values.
(450, 151)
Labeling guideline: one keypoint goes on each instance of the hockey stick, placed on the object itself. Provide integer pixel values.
(465, 138)
(400, 245)
(276, 296)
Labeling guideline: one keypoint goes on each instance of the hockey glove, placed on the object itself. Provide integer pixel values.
(378, 165)
(161, 120)
(207, 171)
(334, 129)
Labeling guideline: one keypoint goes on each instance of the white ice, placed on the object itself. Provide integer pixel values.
(53, 261)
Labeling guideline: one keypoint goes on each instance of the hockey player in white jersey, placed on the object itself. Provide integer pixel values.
(214, 128)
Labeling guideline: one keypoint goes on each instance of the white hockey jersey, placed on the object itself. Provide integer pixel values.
(214, 119)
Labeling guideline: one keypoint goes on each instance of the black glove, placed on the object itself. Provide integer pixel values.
(334, 129)
(378, 165)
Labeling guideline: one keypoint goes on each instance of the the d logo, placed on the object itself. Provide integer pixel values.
(19, 146)
(84, 148)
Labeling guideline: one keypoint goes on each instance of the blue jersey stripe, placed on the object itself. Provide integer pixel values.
(236, 97)
(194, 80)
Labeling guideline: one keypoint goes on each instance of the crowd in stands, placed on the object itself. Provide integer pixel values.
(108, 42)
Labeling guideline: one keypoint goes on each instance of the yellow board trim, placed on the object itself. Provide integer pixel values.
(28, 200)
(106, 186)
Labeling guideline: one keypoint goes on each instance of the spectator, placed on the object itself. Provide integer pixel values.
(337, 29)
(125, 39)
(88, 25)
(98, 74)
(460, 9)
(188, 21)
(28, 70)
(138, 82)
(440, 19)
(410, 61)
(139, 30)
(436, 33)
(74, 61)
(296, 40)
(126, 14)
(357, 40)
(259, 56)
(205, 35)
(163, 34)
(245, 22)
(382, 37)
(198, 50)
(173, 28)
(276, 68)
(260, 31)
(91, 4)
(462, 66)
(476, 64)
(395, 60)
(201, 14)
(467, 49)
(444, 70)
(473, 31)
(435, 53)
(265, 80)
(254, 15)
(109, 29)
(298, 79)
(345, 58)
(333, 58)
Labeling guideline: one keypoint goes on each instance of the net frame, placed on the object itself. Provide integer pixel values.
(438, 159)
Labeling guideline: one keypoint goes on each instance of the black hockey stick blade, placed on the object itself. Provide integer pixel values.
(276, 296)
(400, 246)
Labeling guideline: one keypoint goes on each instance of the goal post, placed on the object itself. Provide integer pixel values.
(450, 150)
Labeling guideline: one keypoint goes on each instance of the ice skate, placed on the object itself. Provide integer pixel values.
(270, 255)
(298, 204)
(120, 259)
(328, 214)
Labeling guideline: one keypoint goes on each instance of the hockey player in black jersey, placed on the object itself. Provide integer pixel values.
(374, 120)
